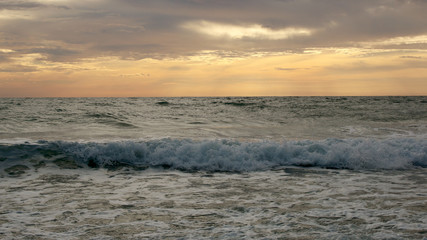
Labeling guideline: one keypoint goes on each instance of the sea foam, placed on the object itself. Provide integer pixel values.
(235, 156)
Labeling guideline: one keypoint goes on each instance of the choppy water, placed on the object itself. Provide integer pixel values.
(214, 168)
(275, 118)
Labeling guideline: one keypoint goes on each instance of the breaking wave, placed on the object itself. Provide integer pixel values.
(235, 156)
(228, 155)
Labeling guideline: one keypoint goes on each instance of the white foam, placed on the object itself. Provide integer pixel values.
(225, 155)
(290, 203)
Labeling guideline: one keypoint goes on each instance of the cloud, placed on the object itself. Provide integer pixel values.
(290, 69)
(3, 58)
(132, 29)
(6, 50)
(178, 68)
(132, 75)
(16, 68)
(19, 5)
(248, 31)
(396, 41)
(411, 57)
(367, 67)
(56, 54)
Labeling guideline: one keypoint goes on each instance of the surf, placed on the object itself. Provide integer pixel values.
(222, 155)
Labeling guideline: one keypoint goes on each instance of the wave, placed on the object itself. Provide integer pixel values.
(234, 156)
(110, 119)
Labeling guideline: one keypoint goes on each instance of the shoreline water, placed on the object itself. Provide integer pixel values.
(293, 202)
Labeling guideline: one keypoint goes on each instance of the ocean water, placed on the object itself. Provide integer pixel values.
(213, 168)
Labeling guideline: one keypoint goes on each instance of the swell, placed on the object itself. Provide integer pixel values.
(110, 119)
(232, 156)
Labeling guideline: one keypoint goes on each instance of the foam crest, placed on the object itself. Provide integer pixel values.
(235, 156)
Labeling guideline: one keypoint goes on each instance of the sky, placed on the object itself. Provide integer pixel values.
(162, 48)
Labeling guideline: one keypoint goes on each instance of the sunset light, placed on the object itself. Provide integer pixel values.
(206, 48)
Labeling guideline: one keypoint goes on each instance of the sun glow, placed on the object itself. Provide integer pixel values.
(210, 73)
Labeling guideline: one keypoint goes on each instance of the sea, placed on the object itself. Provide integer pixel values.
(213, 168)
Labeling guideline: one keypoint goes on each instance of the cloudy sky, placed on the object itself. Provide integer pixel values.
(212, 48)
